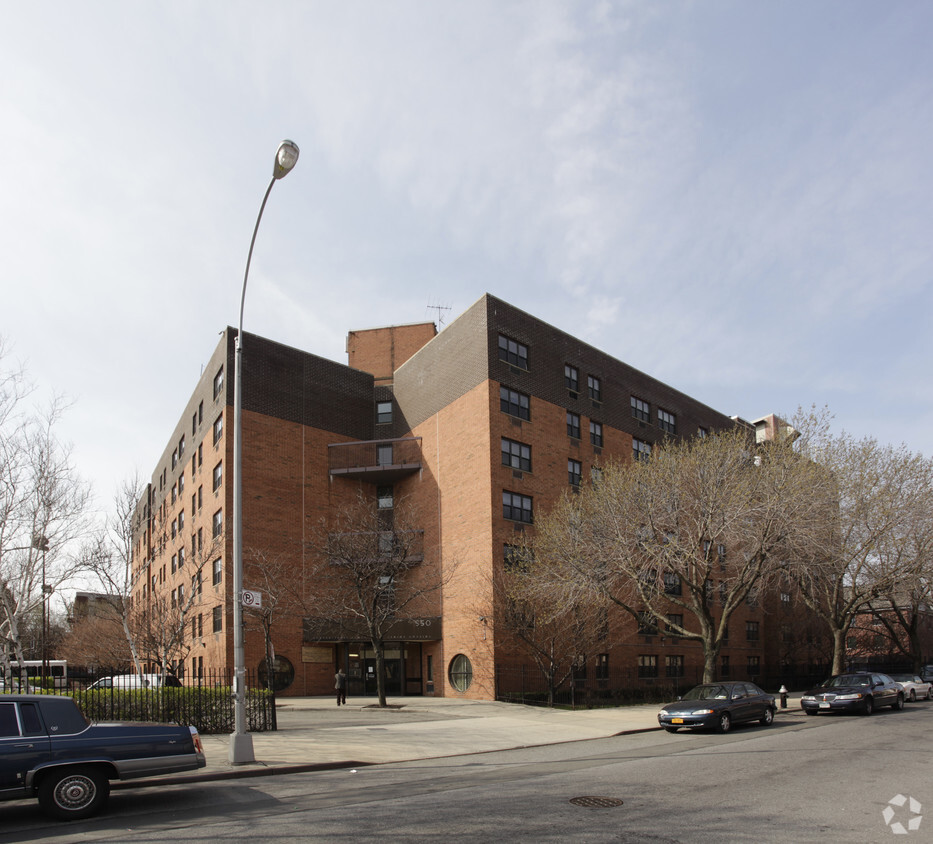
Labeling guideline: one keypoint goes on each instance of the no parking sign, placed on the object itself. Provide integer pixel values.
(251, 599)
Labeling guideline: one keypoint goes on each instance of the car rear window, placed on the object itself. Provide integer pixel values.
(8, 723)
(62, 716)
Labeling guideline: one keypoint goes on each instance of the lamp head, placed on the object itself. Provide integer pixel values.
(286, 157)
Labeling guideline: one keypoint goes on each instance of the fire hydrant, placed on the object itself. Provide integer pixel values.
(783, 694)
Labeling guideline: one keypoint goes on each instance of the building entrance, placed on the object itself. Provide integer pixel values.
(402, 668)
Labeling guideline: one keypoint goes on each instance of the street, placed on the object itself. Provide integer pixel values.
(802, 779)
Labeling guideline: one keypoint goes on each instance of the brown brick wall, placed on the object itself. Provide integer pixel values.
(380, 351)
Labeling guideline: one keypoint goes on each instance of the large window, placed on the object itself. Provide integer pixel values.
(641, 450)
(218, 475)
(218, 571)
(647, 624)
(383, 412)
(217, 524)
(751, 631)
(516, 507)
(641, 410)
(516, 454)
(667, 421)
(573, 425)
(514, 403)
(218, 619)
(218, 429)
(571, 378)
(461, 673)
(674, 665)
(574, 470)
(512, 351)
(219, 382)
(596, 433)
(594, 387)
(647, 666)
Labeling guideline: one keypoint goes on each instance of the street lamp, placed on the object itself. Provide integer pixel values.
(241, 742)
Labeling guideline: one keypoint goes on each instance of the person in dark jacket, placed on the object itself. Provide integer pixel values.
(340, 684)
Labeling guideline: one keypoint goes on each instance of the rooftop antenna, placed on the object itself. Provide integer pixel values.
(440, 312)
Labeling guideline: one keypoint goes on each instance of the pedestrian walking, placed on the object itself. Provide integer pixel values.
(340, 684)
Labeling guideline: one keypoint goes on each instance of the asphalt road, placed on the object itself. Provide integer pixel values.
(828, 778)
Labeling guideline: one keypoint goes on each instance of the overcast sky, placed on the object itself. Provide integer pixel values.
(734, 197)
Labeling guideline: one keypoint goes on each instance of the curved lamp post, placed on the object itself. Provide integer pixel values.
(241, 741)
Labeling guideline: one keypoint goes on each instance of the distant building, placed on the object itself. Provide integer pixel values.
(481, 426)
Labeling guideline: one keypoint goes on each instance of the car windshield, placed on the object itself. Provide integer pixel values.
(850, 680)
(905, 678)
(712, 692)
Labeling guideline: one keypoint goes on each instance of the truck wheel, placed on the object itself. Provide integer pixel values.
(73, 793)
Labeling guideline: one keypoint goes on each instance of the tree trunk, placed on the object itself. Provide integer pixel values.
(380, 672)
(839, 650)
(710, 655)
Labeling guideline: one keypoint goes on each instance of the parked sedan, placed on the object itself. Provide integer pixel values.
(914, 687)
(853, 693)
(718, 706)
(49, 750)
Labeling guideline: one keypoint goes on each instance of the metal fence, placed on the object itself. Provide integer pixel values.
(205, 703)
(527, 684)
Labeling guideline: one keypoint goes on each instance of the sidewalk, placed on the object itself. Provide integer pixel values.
(316, 734)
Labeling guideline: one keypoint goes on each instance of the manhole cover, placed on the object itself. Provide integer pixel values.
(596, 802)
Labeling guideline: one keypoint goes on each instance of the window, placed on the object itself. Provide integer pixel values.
(218, 382)
(516, 507)
(724, 667)
(181, 557)
(574, 469)
(516, 454)
(785, 599)
(596, 433)
(174, 493)
(174, 563)
(751, 631)
(181, 484)
(672, 584)
(385, 497)
(675, 623)
(641, 410)
(174, 526)
(573, 425)
(218, 523)
(218, 574)
(174, 458)
(667, 421)
(218, 429)
(513, 352)
(647, 624)
(596, 475)
(571, 378)
(513, 403)
(702, 432)
(181, 521)
(721, 554)
(602, 666)
(200, 496)
(181, 447)
(461, 672)
(218, 475)
(594, 388)
(384, 454)
(647, 666)
(641, 450)
(754, 666)
(513, 558)
(218, 619)
(383, 412)
(673, 666)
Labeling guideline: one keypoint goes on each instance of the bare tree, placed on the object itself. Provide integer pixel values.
(274, 578)
(368, 575)
(680, 541)
(867, 547)
(42, 508)
(558, 635)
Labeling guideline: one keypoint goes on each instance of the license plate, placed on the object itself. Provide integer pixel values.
(824, 706)
(677, 720)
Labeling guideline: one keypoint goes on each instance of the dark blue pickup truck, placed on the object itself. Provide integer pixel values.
(49, 750)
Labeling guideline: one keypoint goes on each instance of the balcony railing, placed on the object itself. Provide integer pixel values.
(376, 461)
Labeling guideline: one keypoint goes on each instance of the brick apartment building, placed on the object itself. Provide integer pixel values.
(480, 426)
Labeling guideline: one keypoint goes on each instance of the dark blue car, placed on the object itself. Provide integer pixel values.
(49, 750)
